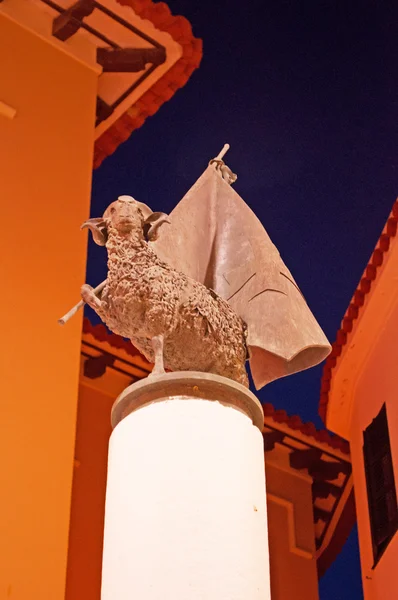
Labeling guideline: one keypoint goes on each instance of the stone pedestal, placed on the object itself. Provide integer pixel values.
(186, 504)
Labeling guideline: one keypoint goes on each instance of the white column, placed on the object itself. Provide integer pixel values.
(186, 504)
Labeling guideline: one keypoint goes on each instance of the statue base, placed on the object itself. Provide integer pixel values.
(189, 385)
(186, 514)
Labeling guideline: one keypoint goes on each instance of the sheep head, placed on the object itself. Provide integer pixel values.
(126, 216)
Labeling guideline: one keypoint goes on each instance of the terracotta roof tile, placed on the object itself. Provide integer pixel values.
(176, 77)
(358, 300)
(101, 333)
(294, 422)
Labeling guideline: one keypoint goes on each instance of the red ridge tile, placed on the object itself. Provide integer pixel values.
(101, 333)
(358, 300)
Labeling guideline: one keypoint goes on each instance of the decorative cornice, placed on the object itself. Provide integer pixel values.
(295, 423)
(291, 520)
(102, 334)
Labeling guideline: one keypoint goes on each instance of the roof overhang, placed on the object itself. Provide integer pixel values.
(144, 54)
(374, 304)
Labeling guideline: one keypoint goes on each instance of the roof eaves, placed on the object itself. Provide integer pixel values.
(101, 334)
(363, 289)
(176, 77)
(295, 423)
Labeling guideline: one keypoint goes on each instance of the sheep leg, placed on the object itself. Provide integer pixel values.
(89, 297)
(157, 345)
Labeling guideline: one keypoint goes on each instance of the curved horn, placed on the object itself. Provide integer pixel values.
(98, 229)
(146, 211)
(152, 224)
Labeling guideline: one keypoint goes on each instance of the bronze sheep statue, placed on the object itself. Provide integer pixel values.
(176, 322)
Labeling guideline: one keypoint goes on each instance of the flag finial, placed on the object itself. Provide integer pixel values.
(222, 168)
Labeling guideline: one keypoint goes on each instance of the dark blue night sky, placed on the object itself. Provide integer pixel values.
(306, 94)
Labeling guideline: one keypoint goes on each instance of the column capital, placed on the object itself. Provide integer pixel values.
(189, 385)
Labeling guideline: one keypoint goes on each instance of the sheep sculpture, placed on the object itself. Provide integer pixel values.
(176, 322)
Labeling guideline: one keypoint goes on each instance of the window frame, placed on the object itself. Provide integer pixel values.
(380, 484)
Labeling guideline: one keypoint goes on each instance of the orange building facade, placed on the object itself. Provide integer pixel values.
(359, 403)
(66, 101)
(47, 141)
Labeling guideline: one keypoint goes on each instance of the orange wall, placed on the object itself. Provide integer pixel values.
(88, 497)
(291, 534)
(45, 178)
(376, 384)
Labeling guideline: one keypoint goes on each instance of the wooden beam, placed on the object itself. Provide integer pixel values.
(95, 366)
(271, 438)
(321, 515)
(103, 111)
(303, 459)
(322, 470)
(70, 21)
(323, 489)
(129, 60)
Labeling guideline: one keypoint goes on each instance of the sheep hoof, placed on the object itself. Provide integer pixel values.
(156, 372)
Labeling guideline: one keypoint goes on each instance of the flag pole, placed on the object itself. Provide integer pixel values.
(223, 152)
(80, 305)
(222, 168)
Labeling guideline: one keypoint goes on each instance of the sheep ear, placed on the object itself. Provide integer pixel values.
(98, 229)
(152, 223)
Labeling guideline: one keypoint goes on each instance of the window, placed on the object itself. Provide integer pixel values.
(382, 497)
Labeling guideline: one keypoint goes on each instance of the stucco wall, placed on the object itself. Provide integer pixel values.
(291, 531)
(377, 384)
(45, 178)
(88, 497)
